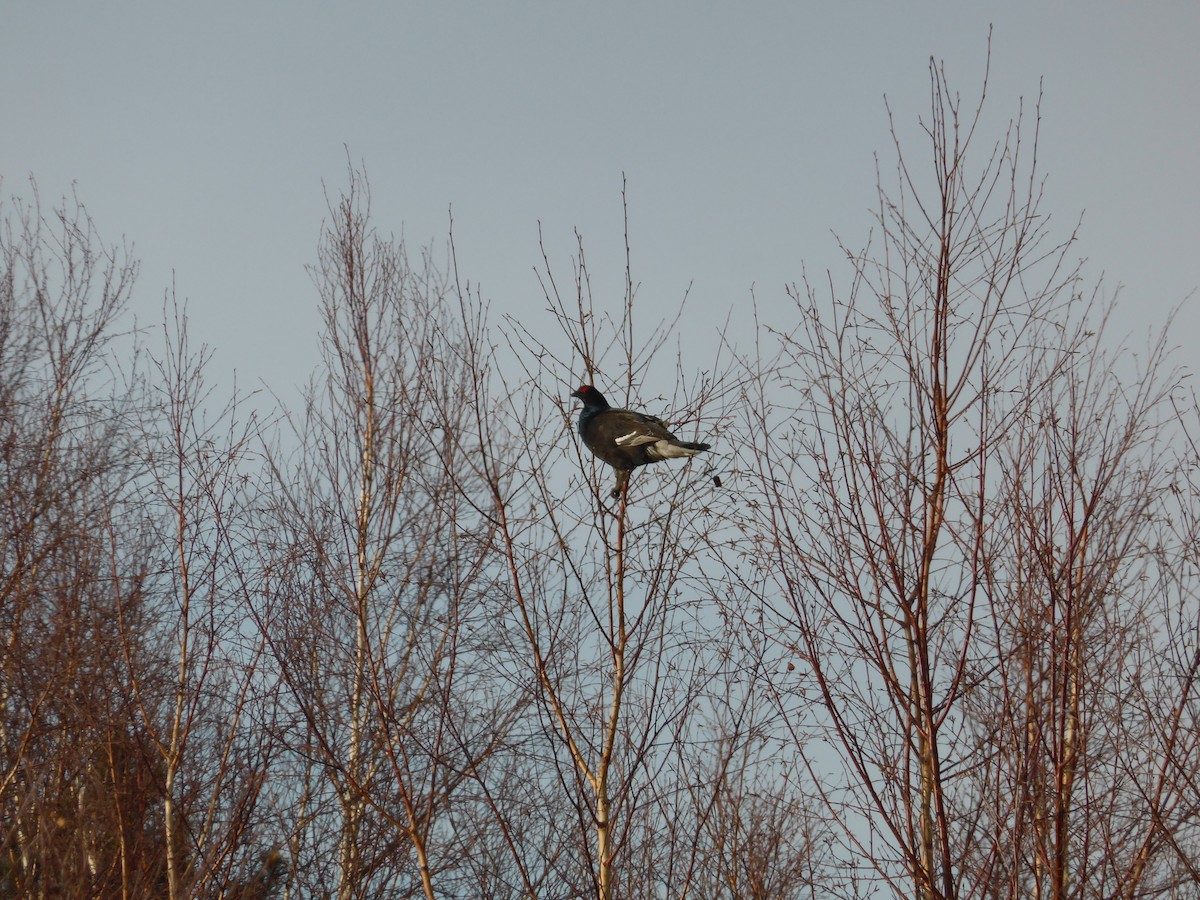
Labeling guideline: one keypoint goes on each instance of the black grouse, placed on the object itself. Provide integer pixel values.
(626, 439)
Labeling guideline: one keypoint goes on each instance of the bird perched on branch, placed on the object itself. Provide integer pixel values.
(626, 439)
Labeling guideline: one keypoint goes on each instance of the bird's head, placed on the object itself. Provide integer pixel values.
(590, 396)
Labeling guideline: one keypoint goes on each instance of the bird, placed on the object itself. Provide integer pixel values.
(626, 439)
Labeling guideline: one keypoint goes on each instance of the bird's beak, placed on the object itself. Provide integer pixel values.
(577, 394)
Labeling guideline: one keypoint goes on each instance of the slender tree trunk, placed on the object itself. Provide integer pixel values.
(170, 814)
(605, 850)
(352, 802)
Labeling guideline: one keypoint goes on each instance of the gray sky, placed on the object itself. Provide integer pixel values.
(203, 133)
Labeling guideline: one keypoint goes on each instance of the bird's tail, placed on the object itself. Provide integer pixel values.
(675, 449)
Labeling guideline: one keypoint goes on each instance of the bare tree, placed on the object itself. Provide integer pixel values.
(1073, 726)
(126, 772)
(64, 726)
(378, 578)
(958, 498)
(611, 612)
(199, 697)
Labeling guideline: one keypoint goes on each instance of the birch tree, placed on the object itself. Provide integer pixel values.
(376, 575)
(961, 514)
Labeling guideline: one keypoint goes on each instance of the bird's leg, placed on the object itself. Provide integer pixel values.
(622, 483)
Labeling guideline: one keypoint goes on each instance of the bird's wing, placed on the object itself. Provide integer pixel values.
(636, 439)
(635, 429)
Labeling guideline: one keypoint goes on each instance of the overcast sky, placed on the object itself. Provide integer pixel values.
(203, 133)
